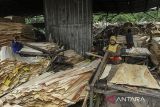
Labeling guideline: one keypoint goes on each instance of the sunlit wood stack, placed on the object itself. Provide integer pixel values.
(14, 73)
(9, 30)
(54, 89)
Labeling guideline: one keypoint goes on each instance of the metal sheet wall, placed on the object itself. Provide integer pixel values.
(70, 23)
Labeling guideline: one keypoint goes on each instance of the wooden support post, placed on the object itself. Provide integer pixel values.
(85, 100)
(99, 70)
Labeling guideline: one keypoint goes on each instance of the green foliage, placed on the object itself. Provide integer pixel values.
(35, 19)
(149, 16)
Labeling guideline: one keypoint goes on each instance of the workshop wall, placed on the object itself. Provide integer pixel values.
(69, 22)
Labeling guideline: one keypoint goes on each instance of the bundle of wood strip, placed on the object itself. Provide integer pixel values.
(9, 30)
(14, 73)
(54, 90)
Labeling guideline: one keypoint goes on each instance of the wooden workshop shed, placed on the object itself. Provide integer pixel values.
(69, 22)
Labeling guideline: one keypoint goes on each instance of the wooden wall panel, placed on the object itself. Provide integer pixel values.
(70, 23)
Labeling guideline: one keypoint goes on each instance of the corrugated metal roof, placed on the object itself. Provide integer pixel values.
(34, 7)
(117, 6)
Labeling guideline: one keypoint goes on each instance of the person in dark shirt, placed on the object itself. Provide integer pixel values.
(129, 39)
(16, 45)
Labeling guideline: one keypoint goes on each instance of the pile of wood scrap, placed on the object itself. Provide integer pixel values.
(9, 30)
(72, 57)
(134, 75)
(54, 90)
(14, 73)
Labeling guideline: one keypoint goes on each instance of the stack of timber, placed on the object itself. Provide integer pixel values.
(138, 39)
(9, 30)
(155, 48)
(16, 19)
(54, 90)
(5, 19)
(14, 73)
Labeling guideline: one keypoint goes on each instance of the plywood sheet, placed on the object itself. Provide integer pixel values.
(135, 75)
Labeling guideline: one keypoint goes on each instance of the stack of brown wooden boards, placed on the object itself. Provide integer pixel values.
(138, 39)
(54, 89)
(8, 30)
(14, 73)
(155, 48)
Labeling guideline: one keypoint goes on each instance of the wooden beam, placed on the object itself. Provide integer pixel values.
(34, 54)
(36, 48)
(94, 55)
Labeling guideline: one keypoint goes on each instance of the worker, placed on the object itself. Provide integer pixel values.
(129, 39)
(16, 45)
(114, 50)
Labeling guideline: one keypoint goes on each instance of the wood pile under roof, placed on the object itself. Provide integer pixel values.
(9, 30)
(54, 90)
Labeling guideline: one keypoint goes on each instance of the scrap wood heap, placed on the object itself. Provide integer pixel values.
(72, 57)
(54, 90)
(14, 73)
(9, 30)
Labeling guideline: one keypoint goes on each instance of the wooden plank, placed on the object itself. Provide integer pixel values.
(35, 47)
(91, 54)
(34, 54)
